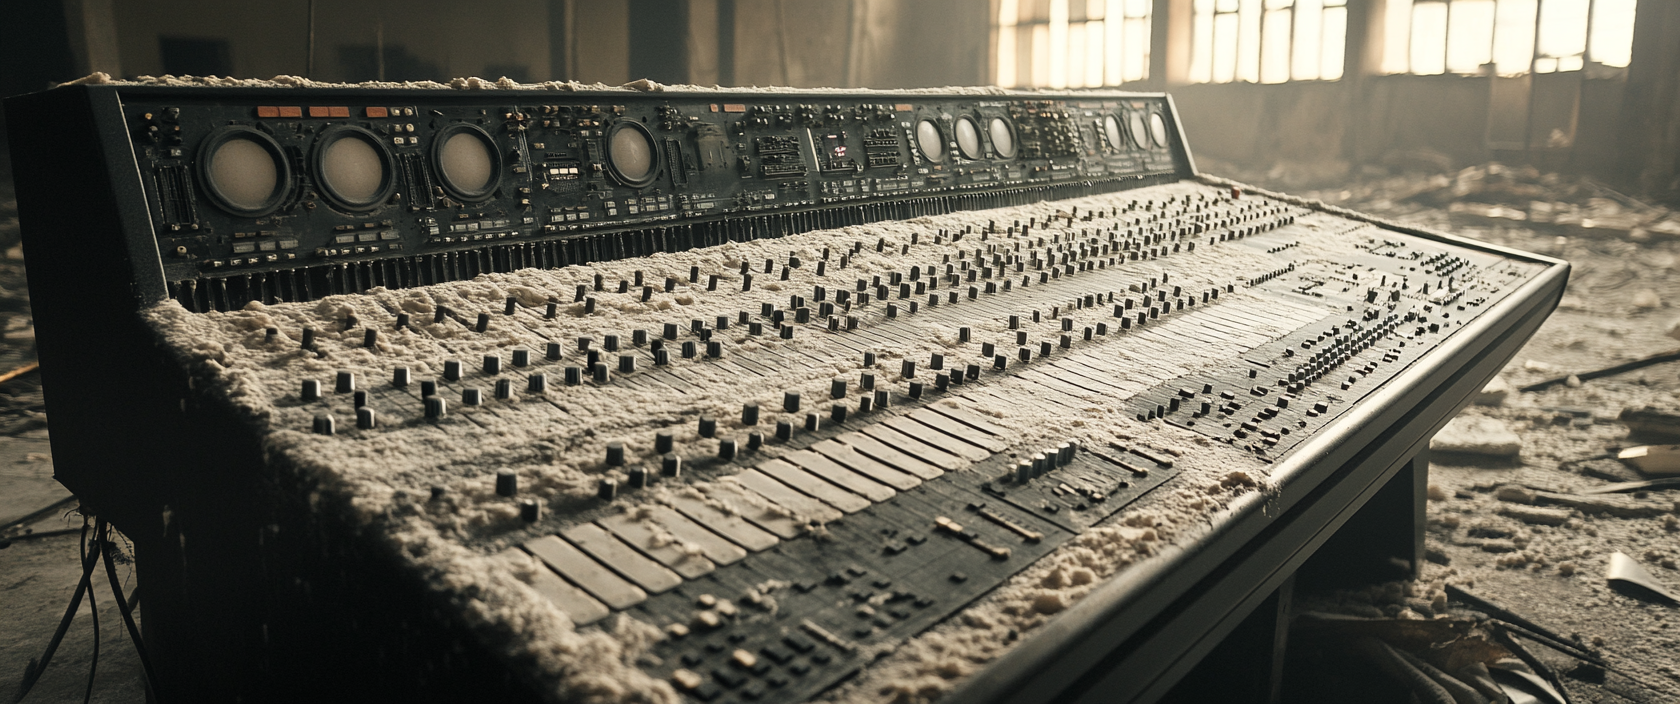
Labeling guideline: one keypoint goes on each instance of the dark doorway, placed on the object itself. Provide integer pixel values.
(659, 40)
(362, 62)
(185, 56)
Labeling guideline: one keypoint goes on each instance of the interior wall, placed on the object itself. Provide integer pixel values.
(272, 38)
(780, 43)
(1385, 116)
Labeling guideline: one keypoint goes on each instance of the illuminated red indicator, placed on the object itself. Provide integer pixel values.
(378, 112)
(317, 111)
(267, 111)
(734, 107)
(903, 107)
(714, 107)
(338, 112)
(291, 111)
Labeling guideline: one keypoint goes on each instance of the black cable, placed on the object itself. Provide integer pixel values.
(93, 608)
(128, 620)
(31, 675)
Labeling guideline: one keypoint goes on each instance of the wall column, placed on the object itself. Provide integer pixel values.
(1169, 43)
(1649, 149)
(1362, 59)
(93, 36)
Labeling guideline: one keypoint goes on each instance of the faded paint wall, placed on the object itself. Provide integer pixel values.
(271, 38)
(1362, 123)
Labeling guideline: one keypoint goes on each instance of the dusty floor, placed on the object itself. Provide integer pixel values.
(1622, 298)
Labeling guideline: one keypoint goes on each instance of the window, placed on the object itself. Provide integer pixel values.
(1072, 43)
(1267, 41)
(1506, 37)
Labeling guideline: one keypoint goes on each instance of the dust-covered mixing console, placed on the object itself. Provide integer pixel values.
(717, 397)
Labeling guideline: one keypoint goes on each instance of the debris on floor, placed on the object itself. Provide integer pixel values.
(1477, 435)
(1628, 577)
(1653, 460)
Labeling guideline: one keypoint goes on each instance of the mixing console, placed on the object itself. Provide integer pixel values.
(580, 374)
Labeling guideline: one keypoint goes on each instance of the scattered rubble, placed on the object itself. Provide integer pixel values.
(1493, 394)
(1477, 435)
(1650, 422)
(1536, 515)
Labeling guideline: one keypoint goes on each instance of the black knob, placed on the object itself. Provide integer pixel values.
(472, 397)
(365, 418)
(492, 364)
(574, 376)
(436, 408)
(529, 509)
(608, 489)
(521, 357)
(323, 425)
(536, 384)
(837, 389)
(553, 351)
(600, 373)
(749, 414)
(726, 450)
(708, 427)
(790, 401)
(507, 483)
(452, 369)
(504, 389)
(311, 390)
(784, 430)
(670, 465)
(615, 454)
